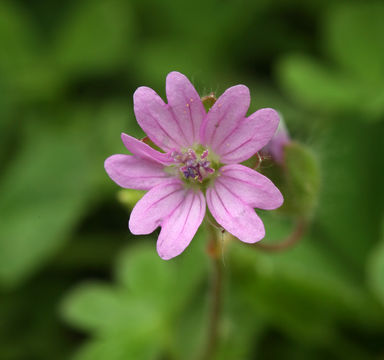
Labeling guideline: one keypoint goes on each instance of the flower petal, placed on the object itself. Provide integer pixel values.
(155, 206)
(186, 105)
(180, 227)
(233, 214)
(141, 149)
(224, 115)
(251, 187)
(156, 119)
(134, 173)
(250, 135)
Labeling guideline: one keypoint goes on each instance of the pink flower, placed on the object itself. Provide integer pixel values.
(199, 166)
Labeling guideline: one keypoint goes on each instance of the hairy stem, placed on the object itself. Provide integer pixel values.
(214, 250)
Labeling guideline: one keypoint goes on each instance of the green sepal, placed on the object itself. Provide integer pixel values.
(301, 180)
(208, 101)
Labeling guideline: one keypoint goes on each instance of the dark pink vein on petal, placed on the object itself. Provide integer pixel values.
(192, 123)
(234, 194)
(215, 128)
(145, 177)
(188, 213)
(222, 203)
(190, 115)
(231, 132)
(175, 118)
(241, 180)
(162, 198)
(157, 122)
(173, 211)
(236, 148)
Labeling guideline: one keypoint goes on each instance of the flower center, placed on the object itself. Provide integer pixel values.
(193, 166)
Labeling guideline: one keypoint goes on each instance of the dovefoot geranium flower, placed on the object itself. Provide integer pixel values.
(200, 165)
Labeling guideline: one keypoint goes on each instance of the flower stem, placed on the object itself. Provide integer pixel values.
(291, 240)
(214, 251)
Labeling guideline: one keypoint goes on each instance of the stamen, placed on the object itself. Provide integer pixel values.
(193, 166)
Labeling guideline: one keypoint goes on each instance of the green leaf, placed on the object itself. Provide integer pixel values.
(18, 41)
(98, 128)
(112, 314)
(352, 84)
(44, 192)
(307, 282)
(189, 332)
(52, 179)
(90, 299)
(26, 70)
(241, 328)
(110, 311)
(349, 212)
(354, 38)
(314, 85)
(119, 348)
(138, 314)
(143, 272)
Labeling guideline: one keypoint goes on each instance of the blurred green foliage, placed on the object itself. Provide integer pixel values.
(352, 80)
(67, 74)
(150, 297)
(298, 178)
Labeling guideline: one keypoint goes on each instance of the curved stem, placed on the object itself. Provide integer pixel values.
(289, 241)
(214, 250)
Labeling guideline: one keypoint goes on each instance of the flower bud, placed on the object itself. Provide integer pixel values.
(298, 178)
(275, 147)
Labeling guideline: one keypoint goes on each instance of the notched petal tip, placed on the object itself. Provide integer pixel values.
(155, 206)
(251, 187)
(178, 230)
(186, 106)
(224, 116)
(233, 214)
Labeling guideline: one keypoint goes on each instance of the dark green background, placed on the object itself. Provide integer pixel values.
(76, 284)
